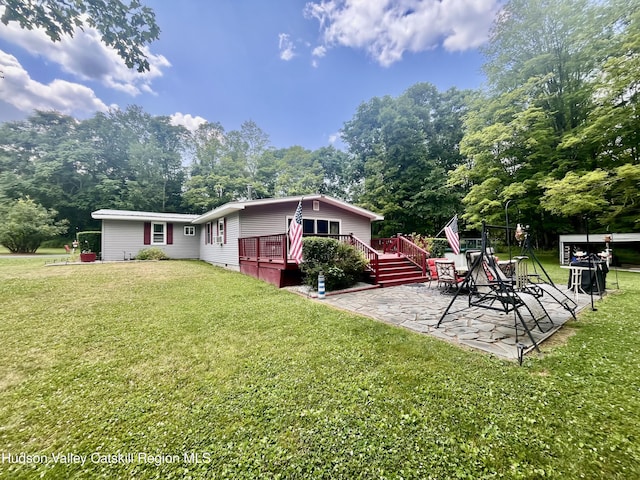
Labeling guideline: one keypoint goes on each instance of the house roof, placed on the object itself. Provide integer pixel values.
(599, 237)
(231, 207)
(105, 214)
(226, 209)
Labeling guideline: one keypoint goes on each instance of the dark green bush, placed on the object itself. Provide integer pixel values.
(341, 264)
(90, 241)
(152, 253)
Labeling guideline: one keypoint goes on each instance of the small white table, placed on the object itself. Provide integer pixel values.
(575, 278)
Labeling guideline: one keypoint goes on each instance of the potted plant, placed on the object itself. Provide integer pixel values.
(87, 255)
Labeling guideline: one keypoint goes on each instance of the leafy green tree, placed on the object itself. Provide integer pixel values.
(227, 166)
(338, 181)
(26, 224)
(41, 157)
(612, 128)
(127, 27)
(401, 151)
(559, 108)
(119, 159)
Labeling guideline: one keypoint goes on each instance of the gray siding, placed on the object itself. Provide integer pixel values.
(272, 219)
(225, 255)
(123, 239)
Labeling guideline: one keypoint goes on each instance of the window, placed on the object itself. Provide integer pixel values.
(317, 226)
(158, 232)
(221, 229)
(190, 231)
(208, 236)
(308, 226)
(322, 227)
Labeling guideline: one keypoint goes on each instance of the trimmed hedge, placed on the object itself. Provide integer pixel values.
(342, 265)
(90, 241)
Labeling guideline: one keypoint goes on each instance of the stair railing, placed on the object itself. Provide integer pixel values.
(413, 252)
(369, 253)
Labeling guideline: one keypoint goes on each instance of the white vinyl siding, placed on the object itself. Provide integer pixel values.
(123, 239)
(273, 219)
(222, 254)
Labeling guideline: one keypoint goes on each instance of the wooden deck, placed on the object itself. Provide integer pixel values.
(266, 258)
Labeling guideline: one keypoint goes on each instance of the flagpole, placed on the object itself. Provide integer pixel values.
(448, 223)
(289, 229)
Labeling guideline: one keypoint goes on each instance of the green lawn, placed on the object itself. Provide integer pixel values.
(4, 251)
(155, 361)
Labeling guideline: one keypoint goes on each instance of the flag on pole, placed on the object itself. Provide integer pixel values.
(451, 231)
(295, 235)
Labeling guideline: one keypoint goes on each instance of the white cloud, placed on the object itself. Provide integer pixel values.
(319, 52)
(287, 49)
(20, 90)
(188, 121)
(87, 58)
(386, 29)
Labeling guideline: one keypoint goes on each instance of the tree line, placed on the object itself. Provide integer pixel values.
(556, 133)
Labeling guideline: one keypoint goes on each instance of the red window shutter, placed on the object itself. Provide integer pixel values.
(147, 233)
(224, 240)
(169, 233)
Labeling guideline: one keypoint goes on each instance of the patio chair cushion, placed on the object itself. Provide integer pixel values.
(433, 271)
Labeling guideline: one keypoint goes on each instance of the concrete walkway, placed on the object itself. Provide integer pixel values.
(419, 307)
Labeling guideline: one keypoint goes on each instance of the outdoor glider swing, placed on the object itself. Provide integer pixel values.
(508, 286)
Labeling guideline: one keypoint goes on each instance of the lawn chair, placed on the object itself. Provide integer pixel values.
(534, 285)
(447, 274)
(490, 288)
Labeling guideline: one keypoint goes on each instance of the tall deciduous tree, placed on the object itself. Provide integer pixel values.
(127, 27)
(402, 149)
(226, 166)
(559, 108)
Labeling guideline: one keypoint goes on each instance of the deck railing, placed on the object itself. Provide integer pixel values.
(413, 252)
(273, 248)
(268, 247)
(405, 247)
(384, 245)
(372, 256)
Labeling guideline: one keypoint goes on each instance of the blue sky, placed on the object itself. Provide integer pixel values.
(299, 69)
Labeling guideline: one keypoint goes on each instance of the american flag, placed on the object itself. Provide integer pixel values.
(295, 235)
(451, 231)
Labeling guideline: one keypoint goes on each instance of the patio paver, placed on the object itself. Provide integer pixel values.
(418, 307)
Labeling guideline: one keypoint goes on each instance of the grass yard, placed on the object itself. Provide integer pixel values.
(181, 370)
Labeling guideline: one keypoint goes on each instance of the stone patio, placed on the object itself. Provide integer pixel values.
(419, 307)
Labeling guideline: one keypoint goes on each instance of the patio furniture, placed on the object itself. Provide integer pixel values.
(447, 274)
(431, 265)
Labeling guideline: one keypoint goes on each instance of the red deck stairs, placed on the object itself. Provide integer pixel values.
(398, 270)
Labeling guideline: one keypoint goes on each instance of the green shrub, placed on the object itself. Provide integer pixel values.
(341, 264)
(152, 253)
(90, 241)
(26, 224)
(435, 246)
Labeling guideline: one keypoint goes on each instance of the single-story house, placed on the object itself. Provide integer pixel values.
(249, 236)
(126, 232)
